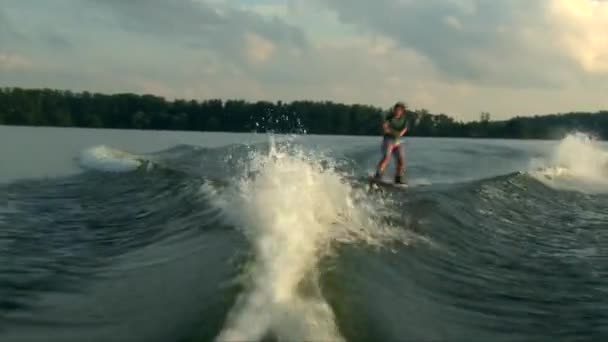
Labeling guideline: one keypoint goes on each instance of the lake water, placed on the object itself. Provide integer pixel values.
(111, 235)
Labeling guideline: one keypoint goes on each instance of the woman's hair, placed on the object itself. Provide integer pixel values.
(401, 105)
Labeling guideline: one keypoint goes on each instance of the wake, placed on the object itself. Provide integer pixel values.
(578, 163)
(292, 210)
(107, 159)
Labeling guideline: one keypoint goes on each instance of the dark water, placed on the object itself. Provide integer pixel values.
(494, 241)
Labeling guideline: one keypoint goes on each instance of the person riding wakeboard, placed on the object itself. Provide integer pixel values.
(394, 127)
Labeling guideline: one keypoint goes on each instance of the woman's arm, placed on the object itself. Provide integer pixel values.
(387, 128)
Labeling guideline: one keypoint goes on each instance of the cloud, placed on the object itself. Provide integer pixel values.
(14, 62)
(258, 49)
(582, 28)
(25, 34)
(201, 25)
(500, 42)
(7, 30)
(56, 40)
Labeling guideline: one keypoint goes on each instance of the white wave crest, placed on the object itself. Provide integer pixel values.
(103, 158)
(578, 163)
(292, 211)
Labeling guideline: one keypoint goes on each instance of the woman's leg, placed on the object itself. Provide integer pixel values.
(399, 153)
(387, 151)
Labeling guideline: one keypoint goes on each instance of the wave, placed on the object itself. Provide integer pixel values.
(308, 222)
(106, 159)
(578, 163)
(293, 210)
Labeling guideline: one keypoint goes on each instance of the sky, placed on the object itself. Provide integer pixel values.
(458, 57)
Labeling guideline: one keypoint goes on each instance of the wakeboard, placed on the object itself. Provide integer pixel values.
(374, 182)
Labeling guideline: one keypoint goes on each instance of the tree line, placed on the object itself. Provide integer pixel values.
(48, 107)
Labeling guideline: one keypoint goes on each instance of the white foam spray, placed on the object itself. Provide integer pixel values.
(292, 210)
(104, 158)
(579, 162)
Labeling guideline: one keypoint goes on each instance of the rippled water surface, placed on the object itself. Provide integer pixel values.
(170, 236)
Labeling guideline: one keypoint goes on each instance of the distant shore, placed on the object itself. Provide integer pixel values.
(59, 108)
